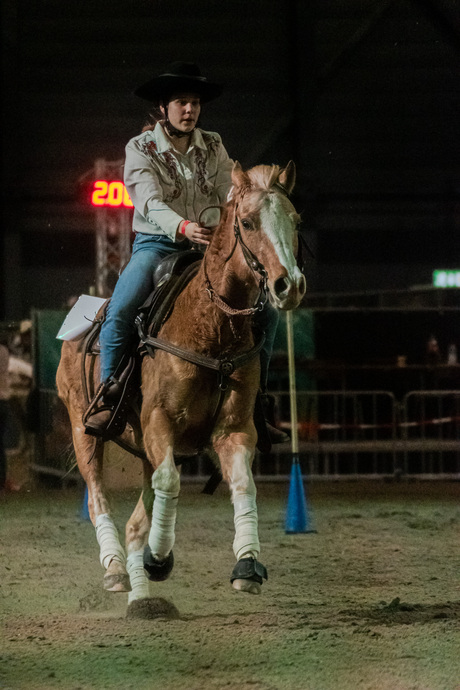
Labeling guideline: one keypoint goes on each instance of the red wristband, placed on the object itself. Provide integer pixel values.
(183, 226)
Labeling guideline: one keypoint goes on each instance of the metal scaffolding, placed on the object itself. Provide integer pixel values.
(113, 232)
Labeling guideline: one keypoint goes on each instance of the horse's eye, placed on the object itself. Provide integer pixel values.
(246, 224)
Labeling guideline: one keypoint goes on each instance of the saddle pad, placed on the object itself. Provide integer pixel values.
(80, 318)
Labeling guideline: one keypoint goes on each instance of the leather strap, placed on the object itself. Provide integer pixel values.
(225, 367)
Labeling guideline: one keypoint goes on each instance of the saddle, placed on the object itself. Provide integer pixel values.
(171, 276)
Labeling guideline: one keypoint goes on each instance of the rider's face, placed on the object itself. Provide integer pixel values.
(184, 111)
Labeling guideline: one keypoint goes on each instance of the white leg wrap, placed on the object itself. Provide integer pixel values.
(109, 543)
(139, 582)
(166, 484)
(162, 531)
(246, 543)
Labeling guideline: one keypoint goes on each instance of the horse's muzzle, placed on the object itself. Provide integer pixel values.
(288, 291)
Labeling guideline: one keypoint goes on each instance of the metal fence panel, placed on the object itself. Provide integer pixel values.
(430, 431)
(342, 435)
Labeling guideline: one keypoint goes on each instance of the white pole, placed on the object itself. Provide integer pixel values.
(292, 385)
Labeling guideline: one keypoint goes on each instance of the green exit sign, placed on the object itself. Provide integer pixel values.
(446, 278)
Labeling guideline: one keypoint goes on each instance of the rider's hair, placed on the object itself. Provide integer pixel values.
(153, 117)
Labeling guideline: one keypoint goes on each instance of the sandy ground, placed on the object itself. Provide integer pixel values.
(371, 601)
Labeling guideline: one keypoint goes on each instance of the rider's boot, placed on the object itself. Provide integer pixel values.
(268, 405)
(107, 414)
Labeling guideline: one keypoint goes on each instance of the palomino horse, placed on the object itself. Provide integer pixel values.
(183, 408)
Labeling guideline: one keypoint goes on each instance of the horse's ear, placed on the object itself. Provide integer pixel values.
(239, 177)
(287, 177)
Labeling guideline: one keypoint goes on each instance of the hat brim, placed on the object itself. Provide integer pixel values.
(166, 85)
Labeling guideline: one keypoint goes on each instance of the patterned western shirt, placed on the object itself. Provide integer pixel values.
(167, 186)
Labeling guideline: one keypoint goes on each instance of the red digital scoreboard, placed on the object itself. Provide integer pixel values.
(111, 193)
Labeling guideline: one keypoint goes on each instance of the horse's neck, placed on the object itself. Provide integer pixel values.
(209, 328)
(227, 270)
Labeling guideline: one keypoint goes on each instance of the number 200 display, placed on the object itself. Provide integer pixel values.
(110, 194)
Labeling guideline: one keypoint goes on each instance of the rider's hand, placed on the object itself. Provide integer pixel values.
(197, 234)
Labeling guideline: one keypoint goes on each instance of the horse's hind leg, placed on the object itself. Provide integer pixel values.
(236, 460)
(89, 452)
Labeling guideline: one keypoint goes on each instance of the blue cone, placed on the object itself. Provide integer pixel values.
(297, 519)
(84, 512)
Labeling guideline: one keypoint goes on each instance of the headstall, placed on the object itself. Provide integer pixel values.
(255, 266)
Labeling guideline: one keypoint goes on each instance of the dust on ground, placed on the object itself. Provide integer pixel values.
(369, 601)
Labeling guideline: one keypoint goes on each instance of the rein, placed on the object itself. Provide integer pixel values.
(256, 268)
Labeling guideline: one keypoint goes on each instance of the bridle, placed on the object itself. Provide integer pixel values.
(257, 268)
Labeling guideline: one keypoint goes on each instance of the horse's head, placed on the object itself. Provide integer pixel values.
(268, 225)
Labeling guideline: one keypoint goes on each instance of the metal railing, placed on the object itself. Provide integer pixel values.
(430, 432)
(370, 433)
(342, 434)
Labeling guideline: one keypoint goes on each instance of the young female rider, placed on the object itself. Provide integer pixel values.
(173, 171)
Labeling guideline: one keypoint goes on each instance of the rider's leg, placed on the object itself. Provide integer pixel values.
(118, 330)
(267, 321)
(132, 289)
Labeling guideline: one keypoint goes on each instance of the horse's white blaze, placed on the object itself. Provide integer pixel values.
(280, 228)
(109, 543)
(137, 578)
(243, 490)
(166, 484)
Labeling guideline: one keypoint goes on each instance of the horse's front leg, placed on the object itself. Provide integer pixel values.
(158, 556)
(236, 453)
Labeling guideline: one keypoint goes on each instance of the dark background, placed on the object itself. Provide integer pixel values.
(362, 94)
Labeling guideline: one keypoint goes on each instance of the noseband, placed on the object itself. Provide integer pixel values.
(256, 267)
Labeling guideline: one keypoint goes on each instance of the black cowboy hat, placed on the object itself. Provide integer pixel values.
(179, 77)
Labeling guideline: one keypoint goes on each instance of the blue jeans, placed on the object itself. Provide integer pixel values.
(132, 289)
(135, 284)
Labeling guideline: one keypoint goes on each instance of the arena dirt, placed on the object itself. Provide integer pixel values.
(370, 601)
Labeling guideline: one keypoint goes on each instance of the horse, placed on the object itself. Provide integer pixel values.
(186, 406)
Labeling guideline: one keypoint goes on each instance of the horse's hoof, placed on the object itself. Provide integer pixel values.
(117, 582)
(248, 575)
(150, 608)
(247, 586)
(156, 570)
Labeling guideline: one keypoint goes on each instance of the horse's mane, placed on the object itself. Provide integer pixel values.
(264, 176)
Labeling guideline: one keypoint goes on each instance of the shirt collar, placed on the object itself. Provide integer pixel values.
(163, 142)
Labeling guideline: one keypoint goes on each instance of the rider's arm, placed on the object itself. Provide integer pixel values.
(194, 232)
(152, 214)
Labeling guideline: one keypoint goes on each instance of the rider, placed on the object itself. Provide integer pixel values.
(173, 171)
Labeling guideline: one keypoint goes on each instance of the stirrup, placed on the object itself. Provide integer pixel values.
(267, 403)
(276, 435)
(109, 404)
